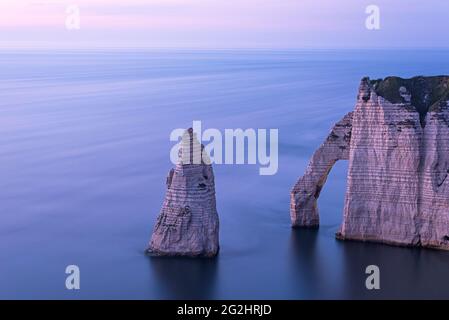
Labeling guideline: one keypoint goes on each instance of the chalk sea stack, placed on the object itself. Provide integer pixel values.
(188, 222)
(397, 144)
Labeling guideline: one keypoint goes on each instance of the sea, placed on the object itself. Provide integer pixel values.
(85, 151)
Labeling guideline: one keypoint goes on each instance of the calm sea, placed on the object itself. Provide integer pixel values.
(84, 152)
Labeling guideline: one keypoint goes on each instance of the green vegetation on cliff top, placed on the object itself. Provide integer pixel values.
(426, 92)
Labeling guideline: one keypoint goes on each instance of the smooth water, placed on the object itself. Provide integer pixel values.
(84, 153)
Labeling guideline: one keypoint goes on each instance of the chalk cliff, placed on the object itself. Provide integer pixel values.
(397, 144)
(188, 222)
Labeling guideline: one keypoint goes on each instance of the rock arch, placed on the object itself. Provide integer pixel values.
(305, 193)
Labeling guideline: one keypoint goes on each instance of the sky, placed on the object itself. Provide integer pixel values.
(222, 23)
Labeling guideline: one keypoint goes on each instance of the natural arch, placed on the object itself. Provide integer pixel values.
(305, 193)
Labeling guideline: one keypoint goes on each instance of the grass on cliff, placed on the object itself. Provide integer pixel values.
(427, 93)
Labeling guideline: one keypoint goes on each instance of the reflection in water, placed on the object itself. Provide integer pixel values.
(185, 278)
(304, 261)
(320, 268)
(401, 269)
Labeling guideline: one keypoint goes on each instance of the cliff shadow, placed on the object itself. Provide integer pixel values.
(184, 278)
(304, 262)
(405, 273)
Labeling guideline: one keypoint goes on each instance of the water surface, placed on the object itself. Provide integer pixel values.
(84, 152)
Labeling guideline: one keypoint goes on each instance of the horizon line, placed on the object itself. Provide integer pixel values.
(93, 47)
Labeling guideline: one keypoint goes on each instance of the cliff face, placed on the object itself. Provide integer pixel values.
(188, 222)
(398, 152)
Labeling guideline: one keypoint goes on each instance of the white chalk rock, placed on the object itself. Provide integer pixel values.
(397, 186)
(188, 222)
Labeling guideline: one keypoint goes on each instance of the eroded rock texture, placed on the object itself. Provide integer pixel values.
(304, 196)
(397, 186)
(188, 222)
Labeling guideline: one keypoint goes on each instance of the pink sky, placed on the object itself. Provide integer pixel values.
(223, 23)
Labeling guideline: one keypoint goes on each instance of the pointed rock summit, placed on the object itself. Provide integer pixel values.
(397, 144)
(188, 222)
